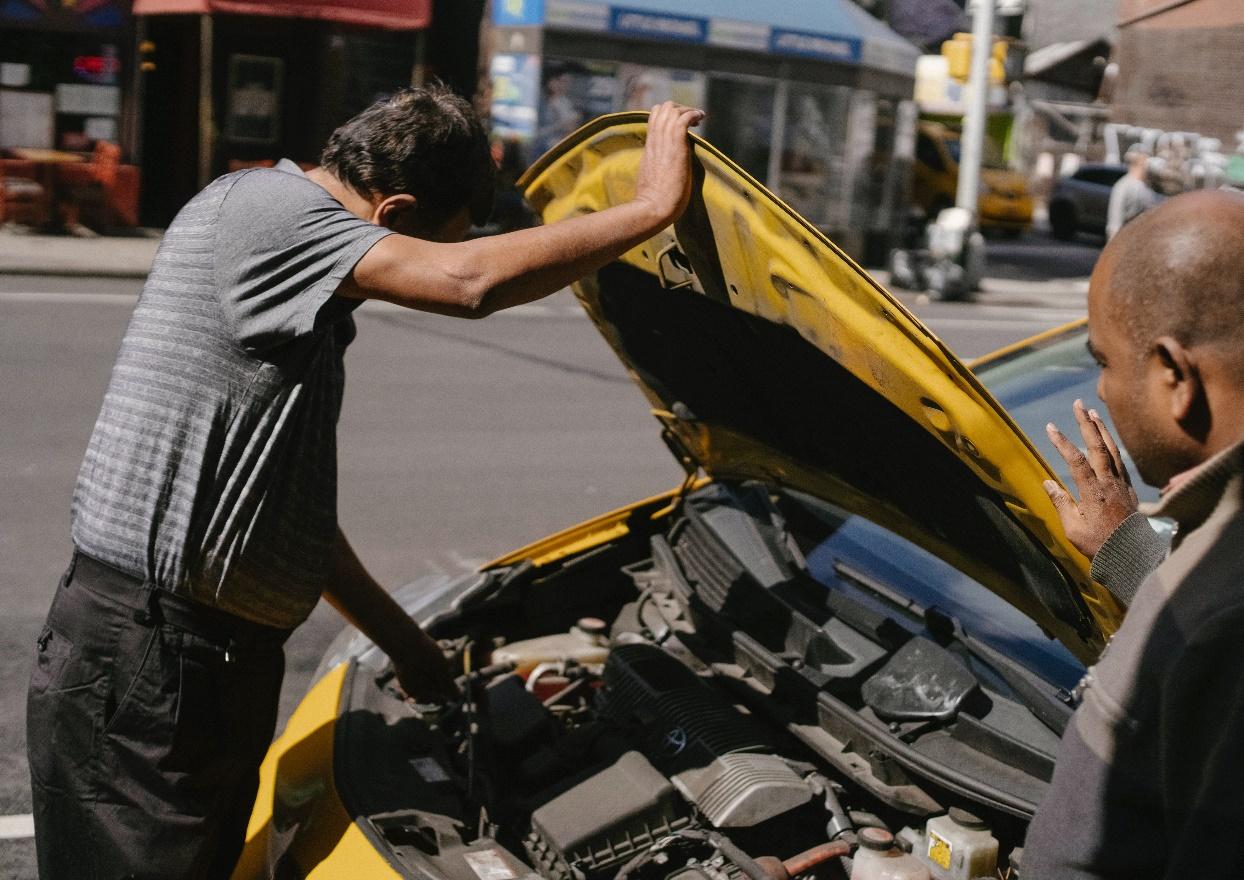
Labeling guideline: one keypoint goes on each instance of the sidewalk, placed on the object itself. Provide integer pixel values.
(110, 256)
(1058, 293)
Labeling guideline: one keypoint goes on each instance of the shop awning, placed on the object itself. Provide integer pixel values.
(827, 30)
(389, 14)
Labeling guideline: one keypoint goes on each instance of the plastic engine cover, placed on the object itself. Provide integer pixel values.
(719, 759)
(605, 820)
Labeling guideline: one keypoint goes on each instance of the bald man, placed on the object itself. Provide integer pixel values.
(1150, 776)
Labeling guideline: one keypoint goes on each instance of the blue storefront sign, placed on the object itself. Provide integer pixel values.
(515, 95)
(657, 26)
(517, 13)
(825, 47)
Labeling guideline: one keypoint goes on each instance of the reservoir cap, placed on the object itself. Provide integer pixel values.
(966, 819)
(876, 838)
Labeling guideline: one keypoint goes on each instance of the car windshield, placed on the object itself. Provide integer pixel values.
(892, 576)
(991, 156)
(1037, 384)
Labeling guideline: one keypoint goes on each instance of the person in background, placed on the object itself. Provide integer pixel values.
(1131, 194)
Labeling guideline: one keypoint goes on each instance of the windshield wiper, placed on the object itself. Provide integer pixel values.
(1051, 705)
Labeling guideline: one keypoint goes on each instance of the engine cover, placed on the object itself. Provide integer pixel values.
(590, 830)
(718, 758)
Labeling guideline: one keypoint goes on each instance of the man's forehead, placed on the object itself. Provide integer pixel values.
(1100, 282)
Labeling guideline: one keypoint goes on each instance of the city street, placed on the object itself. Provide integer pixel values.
(459, 440)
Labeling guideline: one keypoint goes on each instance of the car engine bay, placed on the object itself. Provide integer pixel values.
(686, 703)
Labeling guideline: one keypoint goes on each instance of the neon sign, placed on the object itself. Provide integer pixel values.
(97, 68)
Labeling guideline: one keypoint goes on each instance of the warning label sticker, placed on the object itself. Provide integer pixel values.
(939, 851)
(488, 864)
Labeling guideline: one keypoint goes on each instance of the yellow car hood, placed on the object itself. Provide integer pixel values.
(768, 354)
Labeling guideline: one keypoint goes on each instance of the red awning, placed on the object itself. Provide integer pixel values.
(390, 14)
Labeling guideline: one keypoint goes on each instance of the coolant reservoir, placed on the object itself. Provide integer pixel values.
(958, 846)
(879, 859)
(586, 643)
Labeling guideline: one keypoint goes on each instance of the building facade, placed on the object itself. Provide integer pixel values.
(811, 97)
(66, 74)
(1179, 66)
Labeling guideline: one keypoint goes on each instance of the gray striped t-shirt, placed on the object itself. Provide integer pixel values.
(212, 469)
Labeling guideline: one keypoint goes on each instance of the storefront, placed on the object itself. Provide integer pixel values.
(231, 83)
(812, 97)
(65, 74)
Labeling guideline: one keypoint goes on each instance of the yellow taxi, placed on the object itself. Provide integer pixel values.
(857, 617)
(1004, 203)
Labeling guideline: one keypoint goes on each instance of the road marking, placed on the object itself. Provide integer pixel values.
(44, 296)
(17, 827)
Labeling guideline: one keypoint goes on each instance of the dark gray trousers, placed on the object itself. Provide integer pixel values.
(147, 718)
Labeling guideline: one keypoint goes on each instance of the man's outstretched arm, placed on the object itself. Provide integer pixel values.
(475, 278)
(417, 660)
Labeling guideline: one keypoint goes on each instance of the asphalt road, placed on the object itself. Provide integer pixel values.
(458, 441)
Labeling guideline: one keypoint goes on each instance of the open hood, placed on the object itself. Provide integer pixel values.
(768, 354)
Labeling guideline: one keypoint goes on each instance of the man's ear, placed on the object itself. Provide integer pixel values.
(392, 211)
(1180, 378)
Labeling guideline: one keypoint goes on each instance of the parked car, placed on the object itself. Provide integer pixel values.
(858, 609)
(1078, 202)
(1004, 203)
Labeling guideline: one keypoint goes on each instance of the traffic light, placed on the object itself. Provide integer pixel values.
(958, 52)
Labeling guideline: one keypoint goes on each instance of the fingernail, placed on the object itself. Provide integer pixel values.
(1079, 404)
(1093, 414)
(1050, 487)
(1050, 429)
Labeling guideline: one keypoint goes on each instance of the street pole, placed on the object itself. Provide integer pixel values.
(973, 138)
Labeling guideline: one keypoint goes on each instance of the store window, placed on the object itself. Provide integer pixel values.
(572, 93)
(59, 90)
(253, 113)
(740, 121)
(814, 153)
(642, 87)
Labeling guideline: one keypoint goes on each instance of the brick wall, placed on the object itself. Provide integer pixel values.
(1181, 79)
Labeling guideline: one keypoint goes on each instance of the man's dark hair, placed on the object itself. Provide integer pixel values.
(427, 142)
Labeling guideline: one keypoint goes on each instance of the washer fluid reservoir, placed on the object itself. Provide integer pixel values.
(879, 859)
(586, 644)
(958, 846)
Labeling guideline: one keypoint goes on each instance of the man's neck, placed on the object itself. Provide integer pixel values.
(350, 199)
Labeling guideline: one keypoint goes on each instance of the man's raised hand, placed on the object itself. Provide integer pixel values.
(1106, 494)
(664, 178)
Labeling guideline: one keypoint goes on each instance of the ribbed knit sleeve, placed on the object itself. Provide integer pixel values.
(1132, 551)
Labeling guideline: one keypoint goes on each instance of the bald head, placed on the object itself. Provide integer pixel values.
(1178, 270)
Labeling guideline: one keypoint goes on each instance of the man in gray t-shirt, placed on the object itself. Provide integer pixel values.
(204, 517)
